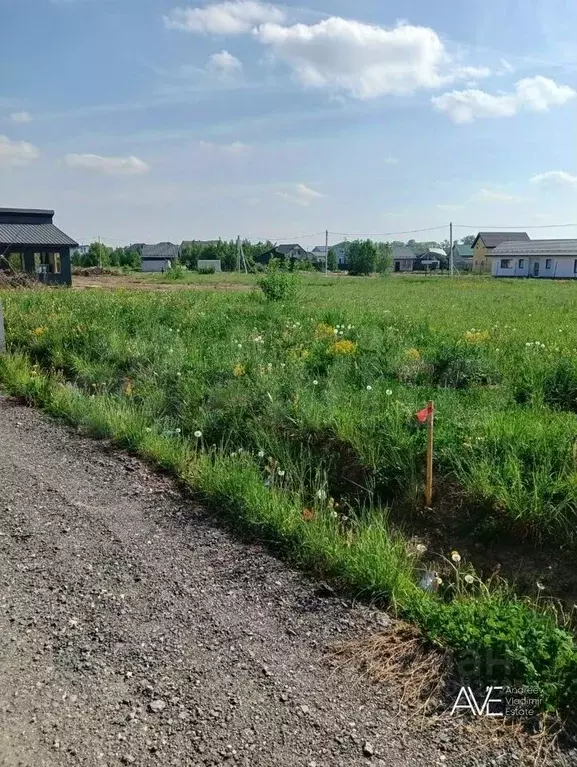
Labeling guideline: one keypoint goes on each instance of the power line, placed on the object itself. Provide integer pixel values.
(388, 234)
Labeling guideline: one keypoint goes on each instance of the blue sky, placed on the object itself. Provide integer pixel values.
(143, 120)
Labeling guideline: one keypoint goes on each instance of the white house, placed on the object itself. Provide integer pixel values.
(536, 258)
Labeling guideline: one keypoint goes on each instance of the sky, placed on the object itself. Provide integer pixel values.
(146, 120)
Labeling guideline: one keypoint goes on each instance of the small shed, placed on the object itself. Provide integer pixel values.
(29, 242)
(159, 257)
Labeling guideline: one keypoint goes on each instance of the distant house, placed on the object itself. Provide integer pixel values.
(79, 250)
(159, 257)
(403, 258)
(430, 260)
(320, 251)
(463, 257)
(341, 251)
(536, 258)
(285, 253)
(30, 242)
(486, 242)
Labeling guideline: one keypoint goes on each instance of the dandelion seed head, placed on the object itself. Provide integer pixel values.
(198, 434)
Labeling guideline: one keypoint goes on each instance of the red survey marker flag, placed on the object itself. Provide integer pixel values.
(423, 415)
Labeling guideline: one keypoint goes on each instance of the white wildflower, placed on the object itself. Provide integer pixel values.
(198, 434)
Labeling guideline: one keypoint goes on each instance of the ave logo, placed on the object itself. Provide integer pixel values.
(466, 700)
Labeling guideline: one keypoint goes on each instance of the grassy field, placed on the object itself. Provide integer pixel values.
(297, 419)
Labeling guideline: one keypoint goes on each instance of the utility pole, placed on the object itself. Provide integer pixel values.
(99, 253)
(451, 260)
(327, 251)
(238, 254)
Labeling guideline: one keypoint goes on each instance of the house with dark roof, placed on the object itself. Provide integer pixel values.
(485, 242)
(30, 242)
(403, 258)
(463, 257)
(292, 252)
(430, 260)
(159, 257)
(536, 258)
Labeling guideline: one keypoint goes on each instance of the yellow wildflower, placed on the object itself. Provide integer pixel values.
(476, 336)
(39, 331)
(412, 354)
(344, 346)
(322, 330)
(238, 370)
(128, 387)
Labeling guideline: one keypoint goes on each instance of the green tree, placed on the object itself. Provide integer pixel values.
(384, 259)
(98, 255)
(362, 257)
(332, 262)
(469, 239)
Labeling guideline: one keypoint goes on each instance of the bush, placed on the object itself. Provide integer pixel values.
(176, 272)
(278, 284)
(206, 270)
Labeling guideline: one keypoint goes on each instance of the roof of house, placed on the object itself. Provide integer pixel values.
(34, 234)
(402, 252)
(493, 239)
(27, 211)
(435, 252)
(464, 251)
(160, 250)
(537, 248)
(320, 249)
(284, 249)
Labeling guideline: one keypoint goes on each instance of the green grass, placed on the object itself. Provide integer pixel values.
(308, 434)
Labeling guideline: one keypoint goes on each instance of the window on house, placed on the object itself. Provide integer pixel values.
(505, 263)
(575, 266)
(548, 263)
(521, 263)
(54, 264)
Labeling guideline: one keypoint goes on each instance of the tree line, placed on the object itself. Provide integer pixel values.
(363, 256)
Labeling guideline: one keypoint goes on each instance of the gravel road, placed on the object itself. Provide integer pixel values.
(135, 630)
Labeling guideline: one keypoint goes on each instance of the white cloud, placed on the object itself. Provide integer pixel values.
(109, 166)
(506, 67)
(391, 160)
(224, 65)
(21, 117)
(535, 94)
(232, 17)
(554, 176)
(494, 195)
(17, 152)
(300, 195)
(362, 60)
(235, 148)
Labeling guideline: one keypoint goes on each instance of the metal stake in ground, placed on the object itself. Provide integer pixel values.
(427, 415)
(429, 482)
